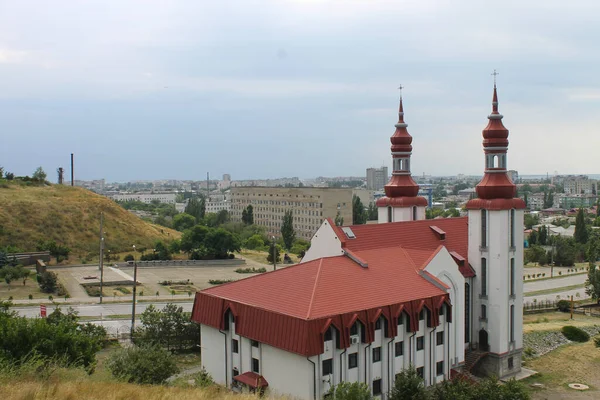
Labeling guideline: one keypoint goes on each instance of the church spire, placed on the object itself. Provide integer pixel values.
(495, 183)
(401, 190)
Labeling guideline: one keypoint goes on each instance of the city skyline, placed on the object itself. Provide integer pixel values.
(292, 88)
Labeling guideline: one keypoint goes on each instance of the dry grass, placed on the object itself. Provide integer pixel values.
(554, 321)
(573, 363)
(71, 216)
(75, 390)
(261, 257)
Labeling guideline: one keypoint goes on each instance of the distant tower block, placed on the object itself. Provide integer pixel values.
(401, 201)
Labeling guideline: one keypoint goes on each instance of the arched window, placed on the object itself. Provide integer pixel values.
(389, 210)
(467, 312)
(414, 213)
(483, 311)
(495, 161)
(483, 228)
(483, 277)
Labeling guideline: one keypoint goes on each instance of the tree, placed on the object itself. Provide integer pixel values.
(535, 254)
(175, 246)
(526, 199)
(57, 251)
(48, 282)
(339, 220)
(408, 385)
(220, 242)
(372, 212)
(287, 229)
(248, 215)
(193, 238)
(147, 364)
(543, 235)
(531, 220)
(581, 230)
(170, 327)
(565, 251)
(196, 207)
(592, 284)
(349, 391)
(276, 251)
(359, 216)
(161, 250)
(183, 221)
(39, 175)
(223, 217)
(255, 242)
(58, 339)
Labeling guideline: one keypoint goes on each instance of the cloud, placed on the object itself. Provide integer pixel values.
(8, 56)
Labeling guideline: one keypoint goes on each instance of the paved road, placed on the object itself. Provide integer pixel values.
(554, 283)
(98, 310)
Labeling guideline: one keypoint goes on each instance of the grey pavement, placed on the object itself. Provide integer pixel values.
(98, 310)
(530, 286)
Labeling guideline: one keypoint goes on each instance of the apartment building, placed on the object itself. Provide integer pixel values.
(310, 206)
(377, 178)
(148, 198)
(218, 202)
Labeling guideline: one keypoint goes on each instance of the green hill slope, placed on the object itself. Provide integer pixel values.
(71, 216)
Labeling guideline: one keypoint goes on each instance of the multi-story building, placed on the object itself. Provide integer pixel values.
(148, 198)
(513, 175)
(218, 202)
(575, 185)
(310, 206)
(377, 178)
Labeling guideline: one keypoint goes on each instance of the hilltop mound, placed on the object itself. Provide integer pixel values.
(71, 216)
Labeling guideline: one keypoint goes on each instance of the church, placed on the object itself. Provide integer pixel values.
(367, 301)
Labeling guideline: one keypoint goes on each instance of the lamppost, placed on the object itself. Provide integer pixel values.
(134, 293)
(274, 255)
(101, 262)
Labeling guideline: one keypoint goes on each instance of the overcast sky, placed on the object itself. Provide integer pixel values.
(260, 89)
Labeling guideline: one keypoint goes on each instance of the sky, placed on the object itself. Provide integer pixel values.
(148, 89)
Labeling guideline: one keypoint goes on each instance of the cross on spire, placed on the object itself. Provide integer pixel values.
(400, 88)
(494, 74)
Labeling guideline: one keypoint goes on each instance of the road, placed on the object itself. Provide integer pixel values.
(556, 283)
(545, 284)
(98, 310)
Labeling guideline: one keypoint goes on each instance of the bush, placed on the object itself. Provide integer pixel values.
(251, 270)
(564, 305)
(597, 341)
(128, 257)
(575, 334)
(142, 365)
(349, 391)
(48, 282)
(219, 281)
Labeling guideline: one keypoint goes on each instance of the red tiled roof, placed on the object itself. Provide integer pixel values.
(335, 285)
(252, 379)
(291, 308)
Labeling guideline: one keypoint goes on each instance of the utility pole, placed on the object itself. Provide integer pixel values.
(134, 292)
(72, 173)
(571, 306)
(101, 263)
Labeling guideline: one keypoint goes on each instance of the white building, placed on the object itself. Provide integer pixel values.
(218, 202)
(148, 198)
(369, 300)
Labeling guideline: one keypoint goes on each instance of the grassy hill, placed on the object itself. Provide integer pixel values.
(71, 216)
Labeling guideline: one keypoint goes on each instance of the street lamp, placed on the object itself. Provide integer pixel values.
(134, 293)
(274, 255)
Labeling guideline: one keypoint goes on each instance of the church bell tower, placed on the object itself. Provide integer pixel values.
(401, 201)
(496, 254)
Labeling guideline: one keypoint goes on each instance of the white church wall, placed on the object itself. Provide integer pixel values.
(212, 343)
(287, 373)
(399, 214)
(324, 243)
(443, 267)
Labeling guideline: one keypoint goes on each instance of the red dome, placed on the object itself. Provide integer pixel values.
(401, 185)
